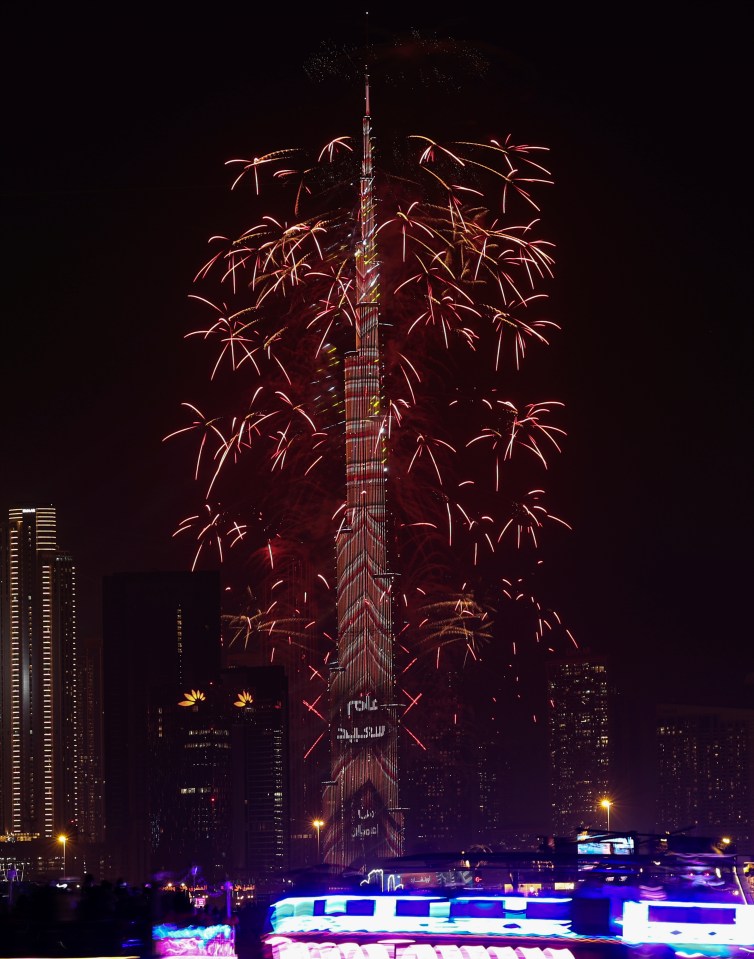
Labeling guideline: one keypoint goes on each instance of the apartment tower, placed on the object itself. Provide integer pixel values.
(38, 678)
(705, 771)
(579, 729)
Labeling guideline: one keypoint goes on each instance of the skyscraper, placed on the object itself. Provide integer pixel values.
(161, 633)
(38, 678)
(260, 804)
(363, 794)
(441, 791)
(304, 775)
(705, 771)
(91, 775)
(579, 728)
(67, 705)
(189, 783)
(218, 779)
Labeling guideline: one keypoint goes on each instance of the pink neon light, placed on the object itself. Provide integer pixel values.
(194, 948)
(284, 948)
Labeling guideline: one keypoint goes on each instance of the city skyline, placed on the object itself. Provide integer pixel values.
(690, 773)
(652, 460)
(682, 768)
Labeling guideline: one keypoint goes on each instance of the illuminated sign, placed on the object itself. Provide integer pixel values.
(195, 941)
(687, 923)
(436, 926)
(515, 916)
(614, 846)
(284, 948)
(356, 734)
(193, 698)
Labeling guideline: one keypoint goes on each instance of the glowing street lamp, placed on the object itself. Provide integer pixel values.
(606, 804)
(318, 824)
(62, 838)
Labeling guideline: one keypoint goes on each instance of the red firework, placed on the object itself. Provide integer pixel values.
(463, 278)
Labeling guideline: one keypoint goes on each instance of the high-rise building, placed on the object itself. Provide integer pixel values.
(39, 723)
(308, 765)
(91, 774)
(365, 822)
(579, 731)
(218, 779)
(705, 771)
(260, 834)
(189, 783)
(161, 637)
(66, 712)
(441, 788)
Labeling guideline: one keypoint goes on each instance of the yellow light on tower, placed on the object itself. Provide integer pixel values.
(193, 698)
(606, 804)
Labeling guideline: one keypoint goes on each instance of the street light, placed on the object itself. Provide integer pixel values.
(318, 824)
(606, 804)
(62, 838)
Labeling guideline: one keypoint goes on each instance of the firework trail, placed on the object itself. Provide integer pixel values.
(462, 304)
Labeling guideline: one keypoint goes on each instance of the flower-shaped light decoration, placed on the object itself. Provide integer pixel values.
(193, 698)
(244, 699)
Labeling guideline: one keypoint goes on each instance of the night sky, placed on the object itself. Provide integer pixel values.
(113, 178)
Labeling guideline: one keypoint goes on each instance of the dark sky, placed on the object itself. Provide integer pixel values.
(113, 178)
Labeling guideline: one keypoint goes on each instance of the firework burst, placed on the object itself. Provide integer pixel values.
(462, 303)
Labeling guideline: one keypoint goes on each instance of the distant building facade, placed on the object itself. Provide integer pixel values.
(257, 700)
(66, 692)
(219, 796)
(161, 639)
(189, 783)
(441, 788)
(438, 790)
(39, 696)
(579, 741)
(307, 742)
(91, 790)
(705, 771)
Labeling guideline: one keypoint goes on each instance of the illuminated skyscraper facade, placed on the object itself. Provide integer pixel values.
(579, 730)
(363, 794)
(38, 677)
(66, 698)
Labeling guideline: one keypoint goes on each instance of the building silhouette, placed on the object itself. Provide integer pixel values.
(161, 639)
(257, 700)
(308, 765)
(189, 783)
(39, 719)
(455, 766)
(91, 790)
(705, 771)
(579, 733)
(219, 798)
(440, 790)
